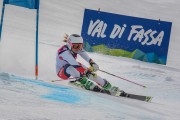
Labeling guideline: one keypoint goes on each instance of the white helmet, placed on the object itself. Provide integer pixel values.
(74, 39)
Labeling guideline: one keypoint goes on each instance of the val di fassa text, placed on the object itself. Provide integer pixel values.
(137, 32)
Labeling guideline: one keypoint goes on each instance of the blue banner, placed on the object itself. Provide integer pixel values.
(31, 4)
(120, 35)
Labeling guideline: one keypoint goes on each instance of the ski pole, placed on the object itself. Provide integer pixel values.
(122, 78)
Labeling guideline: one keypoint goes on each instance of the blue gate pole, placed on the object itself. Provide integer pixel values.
(36, 65)
(2, 16)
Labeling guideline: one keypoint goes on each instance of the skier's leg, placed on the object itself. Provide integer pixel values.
(68, 71)
(113, 90)
(77, 72)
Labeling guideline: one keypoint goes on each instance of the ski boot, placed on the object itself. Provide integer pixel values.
(76, 83)
(112, 90)
(84, 82)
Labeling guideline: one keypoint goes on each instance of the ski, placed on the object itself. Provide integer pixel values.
(123, 94)
(138, 97)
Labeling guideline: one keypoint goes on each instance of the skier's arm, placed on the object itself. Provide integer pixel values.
(84, 55)
(66, 56)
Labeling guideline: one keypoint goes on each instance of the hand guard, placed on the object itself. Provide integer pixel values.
(94, 67)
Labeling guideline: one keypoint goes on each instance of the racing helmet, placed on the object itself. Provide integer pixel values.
(75, 41)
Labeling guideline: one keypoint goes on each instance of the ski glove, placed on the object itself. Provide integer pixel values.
(94, 67)
(90, 74)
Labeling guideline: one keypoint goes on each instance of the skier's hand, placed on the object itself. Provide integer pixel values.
(94, 67)
(89, 74)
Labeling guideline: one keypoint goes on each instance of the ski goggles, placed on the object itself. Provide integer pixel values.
(77, 46)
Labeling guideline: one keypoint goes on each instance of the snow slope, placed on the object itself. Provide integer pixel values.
(23, 98)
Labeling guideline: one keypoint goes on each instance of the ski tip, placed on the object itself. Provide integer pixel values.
(148, 99)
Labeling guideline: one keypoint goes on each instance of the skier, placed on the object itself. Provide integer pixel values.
(67, 66)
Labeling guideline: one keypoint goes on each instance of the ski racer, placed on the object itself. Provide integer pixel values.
(67, 66)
